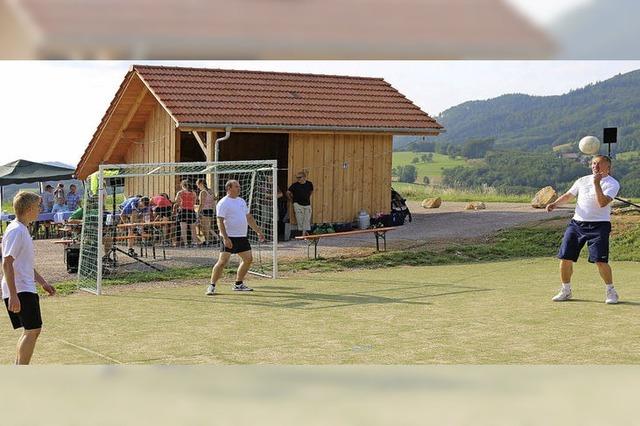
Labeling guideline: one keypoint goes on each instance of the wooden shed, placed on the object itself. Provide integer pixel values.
(337, 128)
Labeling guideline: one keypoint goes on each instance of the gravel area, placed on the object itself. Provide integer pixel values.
(450, 222)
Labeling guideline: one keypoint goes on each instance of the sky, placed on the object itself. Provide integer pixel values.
(50, 110)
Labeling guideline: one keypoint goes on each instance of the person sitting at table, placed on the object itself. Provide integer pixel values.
(185, 203)
(132, 210)
(162, 211)
(47, 199)
(59, 199)
(73, 198)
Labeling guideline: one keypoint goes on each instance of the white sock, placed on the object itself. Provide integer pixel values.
(609, 287)
(566, 286)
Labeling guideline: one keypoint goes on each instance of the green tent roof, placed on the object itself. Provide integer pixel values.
(23, 171)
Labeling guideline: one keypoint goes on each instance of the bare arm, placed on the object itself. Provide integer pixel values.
(566, 197)
(252, 223)
(10, 277)
(223, 233)
(603, 200)
(45, 285)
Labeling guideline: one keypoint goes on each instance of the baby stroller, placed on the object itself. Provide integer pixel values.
(399, 209)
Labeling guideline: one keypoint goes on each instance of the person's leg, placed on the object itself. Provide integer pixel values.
(568, 254)
(245, 264)
(605, 272)
(218, 268)
(26, 345)
(566, 270)
(183, 232)
(307, 219)
(299, 213)
(194, 234)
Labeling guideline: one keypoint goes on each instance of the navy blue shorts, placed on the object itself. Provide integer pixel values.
(594, 234)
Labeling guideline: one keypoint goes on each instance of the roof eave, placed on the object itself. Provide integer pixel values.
(394, 130)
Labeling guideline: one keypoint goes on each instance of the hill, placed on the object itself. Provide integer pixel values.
(525, 122)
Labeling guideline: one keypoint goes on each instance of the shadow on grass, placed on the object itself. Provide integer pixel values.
(601, 302)
(294, 298)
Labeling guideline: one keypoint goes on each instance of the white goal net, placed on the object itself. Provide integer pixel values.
(159, 218)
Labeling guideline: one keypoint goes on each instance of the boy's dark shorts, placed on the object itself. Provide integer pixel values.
(594, 234)
(240, 245)
(29, 316)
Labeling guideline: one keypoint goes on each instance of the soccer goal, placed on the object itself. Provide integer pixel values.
(160, 218)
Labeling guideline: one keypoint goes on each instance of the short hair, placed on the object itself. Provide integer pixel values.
(72, 186)
(48, 187)
(145, 200)
(606, 158)
(303, 173)
(23, 201)
(185, 184)
(229, 184)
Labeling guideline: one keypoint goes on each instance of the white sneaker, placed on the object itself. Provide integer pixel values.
(612, 297)
(210, 290)
(562, 296)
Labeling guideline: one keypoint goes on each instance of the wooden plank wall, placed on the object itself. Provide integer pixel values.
(349, 172)
(158, 146)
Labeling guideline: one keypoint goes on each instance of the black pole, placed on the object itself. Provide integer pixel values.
(627, 202)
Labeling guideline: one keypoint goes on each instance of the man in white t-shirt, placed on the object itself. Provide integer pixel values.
(591, 225)
(19, 276)
(233, 218)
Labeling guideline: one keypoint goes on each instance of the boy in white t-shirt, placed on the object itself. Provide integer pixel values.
(233, 221)
(20, 277)
(591, 225)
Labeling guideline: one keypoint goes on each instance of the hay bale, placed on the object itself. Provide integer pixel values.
(544, 197)
(476, 205)
(432, 203)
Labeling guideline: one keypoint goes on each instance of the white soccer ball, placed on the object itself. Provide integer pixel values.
(589, 145)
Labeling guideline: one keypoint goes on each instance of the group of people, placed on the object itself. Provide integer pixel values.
(192, 213)
(591, 225)
(55, 200)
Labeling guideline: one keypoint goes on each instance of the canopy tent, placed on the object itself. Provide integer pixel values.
(23, 171)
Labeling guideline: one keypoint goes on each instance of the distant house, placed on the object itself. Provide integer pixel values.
(570, 155)
(338, 128)
(252, 29)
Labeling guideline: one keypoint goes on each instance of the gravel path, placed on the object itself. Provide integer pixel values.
(448, 223)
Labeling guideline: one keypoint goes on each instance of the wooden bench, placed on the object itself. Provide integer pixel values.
(379, 233)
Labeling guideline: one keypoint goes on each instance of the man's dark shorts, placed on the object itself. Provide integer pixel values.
(29, 316)
(594, 234)
(240, 244)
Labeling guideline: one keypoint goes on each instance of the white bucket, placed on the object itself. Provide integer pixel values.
(364, 221)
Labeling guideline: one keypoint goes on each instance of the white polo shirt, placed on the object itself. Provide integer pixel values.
(587, 207)
(234, 211)
(17, 243)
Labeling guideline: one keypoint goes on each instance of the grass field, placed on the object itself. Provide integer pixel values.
(432, 169)
(417, 192)
(481, 313)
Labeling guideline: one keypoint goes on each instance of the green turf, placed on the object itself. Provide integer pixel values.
(481, 313)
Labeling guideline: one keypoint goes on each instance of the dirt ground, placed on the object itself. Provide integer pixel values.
(448, 223)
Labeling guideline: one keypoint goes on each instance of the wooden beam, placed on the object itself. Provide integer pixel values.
(125, 123)
(133, 134)
(199, 139)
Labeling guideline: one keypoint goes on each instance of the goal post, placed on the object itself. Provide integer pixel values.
(154, 218)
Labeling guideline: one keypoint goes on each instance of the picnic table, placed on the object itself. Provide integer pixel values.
(379, 233)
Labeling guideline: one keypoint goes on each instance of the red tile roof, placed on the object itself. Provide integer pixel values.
(216, 97)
